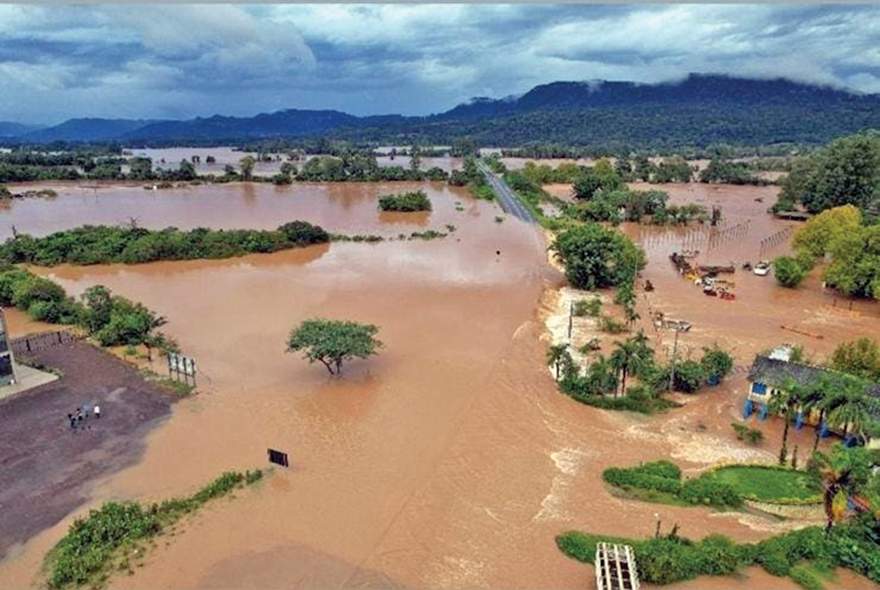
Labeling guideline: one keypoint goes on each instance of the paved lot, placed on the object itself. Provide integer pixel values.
(46, 468)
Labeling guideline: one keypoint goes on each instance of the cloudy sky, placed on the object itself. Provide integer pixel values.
(182, 61)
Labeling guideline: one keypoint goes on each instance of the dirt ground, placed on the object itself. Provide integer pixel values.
(47, 467)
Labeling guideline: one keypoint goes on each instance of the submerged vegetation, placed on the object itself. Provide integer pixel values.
(101, 244)
(111, 319)
(853, 246)
(405, 202)
(111, 538)
(332, 342)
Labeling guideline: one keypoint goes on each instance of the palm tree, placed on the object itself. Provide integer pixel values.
(630, 356)
(843, 471)
(850, 406)
(555, 355)
(783, 402)
(814, 397)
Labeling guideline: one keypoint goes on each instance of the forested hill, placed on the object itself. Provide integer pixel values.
(698, 111)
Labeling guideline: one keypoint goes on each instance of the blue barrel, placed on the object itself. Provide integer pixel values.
(762, 413)
(823, 430)
(748, 408)
(799, 421)
(713, 380)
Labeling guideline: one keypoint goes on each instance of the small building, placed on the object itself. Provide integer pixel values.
(770, 372)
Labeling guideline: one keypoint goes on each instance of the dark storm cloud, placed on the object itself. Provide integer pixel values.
(184, 60)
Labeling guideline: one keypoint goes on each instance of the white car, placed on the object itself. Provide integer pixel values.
(762, 269)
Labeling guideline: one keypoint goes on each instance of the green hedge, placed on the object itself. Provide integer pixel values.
(663, 476)
(798, 554)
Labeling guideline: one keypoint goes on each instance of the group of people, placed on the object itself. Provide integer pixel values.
(80, 415)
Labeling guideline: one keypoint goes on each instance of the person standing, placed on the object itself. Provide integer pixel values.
(97, 412)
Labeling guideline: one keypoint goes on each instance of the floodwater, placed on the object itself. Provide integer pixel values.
(169, 158)
(338, 207)
(448, 461)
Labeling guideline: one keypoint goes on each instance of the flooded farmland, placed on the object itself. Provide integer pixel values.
(447, 461)
(169, 158)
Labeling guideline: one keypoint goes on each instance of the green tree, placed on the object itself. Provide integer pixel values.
(246, 164)
(98, 302)
(858, 357)
(596, 257)
(631, 356)
(556, 357)
(847, 172)
(784, 401)
(844, 472)
(850, 407)
(331, 342)
(788, 271)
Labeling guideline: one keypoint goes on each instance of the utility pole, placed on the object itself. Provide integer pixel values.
(674, 356)
(570, 314)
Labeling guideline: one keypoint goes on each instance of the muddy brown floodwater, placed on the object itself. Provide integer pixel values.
(448, 461)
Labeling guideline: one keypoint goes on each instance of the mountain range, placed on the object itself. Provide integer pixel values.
(697, 111)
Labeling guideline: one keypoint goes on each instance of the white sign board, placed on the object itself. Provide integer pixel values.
(181, 364)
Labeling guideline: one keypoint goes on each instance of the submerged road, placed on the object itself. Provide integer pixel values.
(509, 202)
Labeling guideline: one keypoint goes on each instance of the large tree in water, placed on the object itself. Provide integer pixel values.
(332, 342)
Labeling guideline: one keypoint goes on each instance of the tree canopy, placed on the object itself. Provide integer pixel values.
(331, 342)
(595, 257)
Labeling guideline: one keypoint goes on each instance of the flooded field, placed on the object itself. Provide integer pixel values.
(339, 207)
(449, 460)
(169, 158)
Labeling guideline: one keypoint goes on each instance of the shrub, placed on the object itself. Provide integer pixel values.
(92, 543)
(751, 435)
(405, 202)
(788, 271)
(706, 491)
(689, 376)
(587, 307)
(716, 362)
(610, 325)
(664, 561)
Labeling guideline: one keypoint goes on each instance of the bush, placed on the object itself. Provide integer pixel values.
(587, 307)
(610, 325)
(634, 478)
(689, 376)
(751, 435)
(91, 544)
(708, 492)
(405, 202)
(788, 271)
(716, 362)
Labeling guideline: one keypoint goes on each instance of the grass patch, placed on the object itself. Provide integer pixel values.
(108, 538)
(765, 483)
(661, 481)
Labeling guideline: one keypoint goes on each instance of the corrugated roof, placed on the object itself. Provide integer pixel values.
(776, 372)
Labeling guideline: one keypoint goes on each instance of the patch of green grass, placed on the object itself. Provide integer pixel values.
(110, 537)
(769, 484)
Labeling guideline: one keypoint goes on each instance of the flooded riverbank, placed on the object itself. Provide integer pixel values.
(448, 461)
(338, 207)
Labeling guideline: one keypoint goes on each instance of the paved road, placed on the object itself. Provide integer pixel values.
(509, 202)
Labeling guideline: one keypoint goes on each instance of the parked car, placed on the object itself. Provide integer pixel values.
(762, 269)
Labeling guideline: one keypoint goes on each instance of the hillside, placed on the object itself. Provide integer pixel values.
(697, 111)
